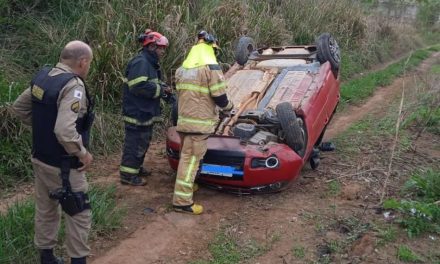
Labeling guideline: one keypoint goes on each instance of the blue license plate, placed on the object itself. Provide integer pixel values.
(220, 170)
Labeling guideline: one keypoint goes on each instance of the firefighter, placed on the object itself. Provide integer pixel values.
(58, 107)
(143, 89)
(201, 88)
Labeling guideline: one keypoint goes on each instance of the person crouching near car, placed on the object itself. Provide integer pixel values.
(201, 87)
(59, 109)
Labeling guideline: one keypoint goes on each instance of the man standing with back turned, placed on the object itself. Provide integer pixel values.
(58, 107)
(201, 87)
(143, 89)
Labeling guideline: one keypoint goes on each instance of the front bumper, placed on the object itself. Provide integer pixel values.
(241, 168)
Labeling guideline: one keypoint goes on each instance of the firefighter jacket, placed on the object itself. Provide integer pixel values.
(142, 89)
(201, 86)
(58, 107)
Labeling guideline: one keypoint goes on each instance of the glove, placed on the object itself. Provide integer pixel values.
(227, 111)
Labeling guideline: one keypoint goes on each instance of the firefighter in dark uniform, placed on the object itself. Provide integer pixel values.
(201, 91)
(143, 90)
(58, 107)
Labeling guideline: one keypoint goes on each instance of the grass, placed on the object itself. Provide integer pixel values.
(405, 254)
(17, 225)
(334, 187)
(386, 235)
(359, 89)
(229, 248)
(418, 212)
(299, 252)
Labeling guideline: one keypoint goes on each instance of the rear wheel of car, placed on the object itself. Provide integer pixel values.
(293, 128)
(244, 48)
(328, 50)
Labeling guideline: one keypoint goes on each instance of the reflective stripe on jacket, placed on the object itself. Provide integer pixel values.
(199, 82)
(142, 90)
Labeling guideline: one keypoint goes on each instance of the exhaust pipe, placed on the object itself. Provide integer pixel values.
(271, 162)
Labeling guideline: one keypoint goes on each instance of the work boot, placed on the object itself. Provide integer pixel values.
(327, 146)
(47, 257)
(144, 172)
(194, 209)
(78, 260)
(133, 180)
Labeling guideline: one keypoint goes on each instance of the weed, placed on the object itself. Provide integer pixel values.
(405, 254)
(420, 215)
(386, 235)
(335, 246)
(227, 248)
(299, 252)
(334, 187)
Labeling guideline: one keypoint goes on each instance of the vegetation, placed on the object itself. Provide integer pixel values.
(17, 225)
(35, 31)
(405, 254)
(360, 88)
(419, 211)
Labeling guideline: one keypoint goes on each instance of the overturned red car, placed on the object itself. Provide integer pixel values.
(285, 97)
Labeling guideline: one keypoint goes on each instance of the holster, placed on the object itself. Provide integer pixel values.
(72, 203)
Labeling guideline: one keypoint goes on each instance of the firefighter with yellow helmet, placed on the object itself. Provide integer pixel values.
(201, 89)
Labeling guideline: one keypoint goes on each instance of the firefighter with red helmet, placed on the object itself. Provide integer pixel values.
(201, 91)
(142, 90)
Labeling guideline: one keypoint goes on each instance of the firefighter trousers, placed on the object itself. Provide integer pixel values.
(193, 150)
(136, 143)
(48, 211)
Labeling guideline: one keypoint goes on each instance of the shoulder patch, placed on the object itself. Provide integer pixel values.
(75, 107)
(77, 94)
(37, 92)
(214, 67)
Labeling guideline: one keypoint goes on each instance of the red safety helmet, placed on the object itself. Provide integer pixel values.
(153, 37)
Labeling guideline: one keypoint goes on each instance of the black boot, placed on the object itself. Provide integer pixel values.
(78, 260)
(47, 257)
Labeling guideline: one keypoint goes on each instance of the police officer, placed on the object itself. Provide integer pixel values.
(201, 88)
(143, 89)
(58, 108)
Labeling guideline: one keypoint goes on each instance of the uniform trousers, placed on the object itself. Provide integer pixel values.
(48, 211)
(193, 150)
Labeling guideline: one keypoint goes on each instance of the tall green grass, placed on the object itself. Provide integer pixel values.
(17, 225)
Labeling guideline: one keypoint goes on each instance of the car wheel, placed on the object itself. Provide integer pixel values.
(328, 50)
(295, 135)
(244, 48)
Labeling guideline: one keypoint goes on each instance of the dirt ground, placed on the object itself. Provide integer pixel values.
(327, 223)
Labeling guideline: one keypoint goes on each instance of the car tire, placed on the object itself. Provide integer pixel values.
(244, 48)
(295, 135)
(328, 50)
